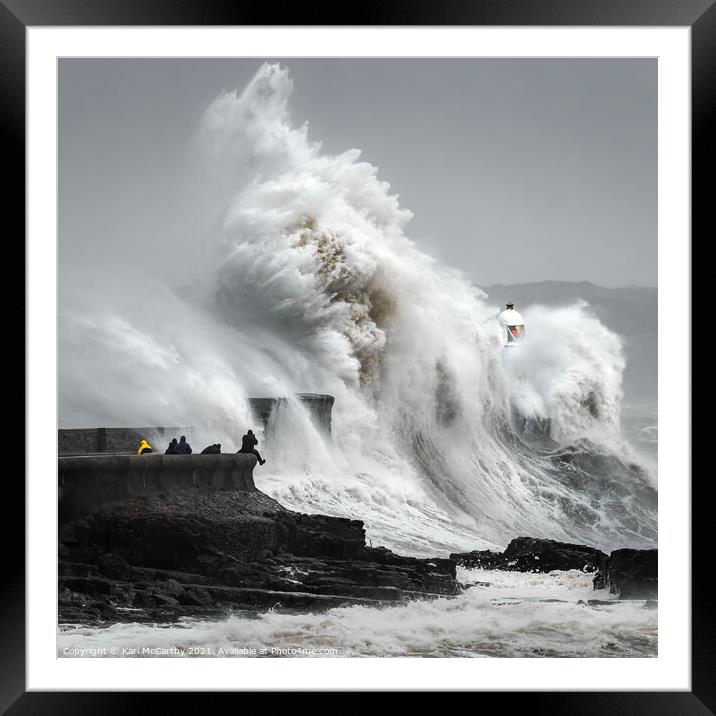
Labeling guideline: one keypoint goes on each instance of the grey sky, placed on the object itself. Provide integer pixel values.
(516, 170)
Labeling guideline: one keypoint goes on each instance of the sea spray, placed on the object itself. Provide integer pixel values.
(317, 288)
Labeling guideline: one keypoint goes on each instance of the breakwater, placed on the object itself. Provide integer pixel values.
(86, 481)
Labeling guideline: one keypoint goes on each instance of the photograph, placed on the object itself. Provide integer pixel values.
(357, 357)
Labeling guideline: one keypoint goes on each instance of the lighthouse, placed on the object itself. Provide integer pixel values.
(512, 325)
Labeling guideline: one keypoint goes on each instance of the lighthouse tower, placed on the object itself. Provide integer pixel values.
(513, 326)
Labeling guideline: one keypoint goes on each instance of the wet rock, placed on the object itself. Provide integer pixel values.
(630, 574)
(530, 554)
(320, 535)
(476, 584)
(197, 596)
(77, 569)
(114, 566)
(144, 598)
(235, 576)
(122, 595)
(82, 532)
(87, 585)
(174, 588)
(165, 600)
(199, 552)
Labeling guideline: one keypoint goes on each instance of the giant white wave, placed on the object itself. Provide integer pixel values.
(441, 440)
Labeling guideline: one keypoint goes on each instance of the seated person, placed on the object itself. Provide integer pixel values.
(183, 447)
(248, 442)
(212, 449)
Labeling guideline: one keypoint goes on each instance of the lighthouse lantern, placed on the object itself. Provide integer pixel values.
(513, 326)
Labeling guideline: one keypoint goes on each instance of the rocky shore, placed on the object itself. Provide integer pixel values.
(158, 557)
(208, 552)
(626, 573)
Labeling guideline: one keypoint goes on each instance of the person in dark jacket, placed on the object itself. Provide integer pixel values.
(248, 443)
(172, 449)
(212, 449)
(183, 447)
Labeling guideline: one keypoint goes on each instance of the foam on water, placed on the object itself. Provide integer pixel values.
(513, 617)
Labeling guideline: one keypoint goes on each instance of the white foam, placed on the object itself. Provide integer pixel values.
(507, 619)
(315, 287)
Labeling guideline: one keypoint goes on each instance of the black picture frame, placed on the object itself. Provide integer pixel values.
(699, 15)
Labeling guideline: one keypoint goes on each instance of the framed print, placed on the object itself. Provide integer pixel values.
(363, 351)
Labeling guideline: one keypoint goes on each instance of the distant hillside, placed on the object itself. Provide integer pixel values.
(631, 312)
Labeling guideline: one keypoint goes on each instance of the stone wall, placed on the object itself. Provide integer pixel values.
(88, 441)
(319, 406)
(87, 481)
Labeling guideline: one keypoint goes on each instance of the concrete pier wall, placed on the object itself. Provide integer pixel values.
(86, 481)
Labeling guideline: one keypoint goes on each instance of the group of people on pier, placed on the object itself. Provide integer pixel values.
(182, 447)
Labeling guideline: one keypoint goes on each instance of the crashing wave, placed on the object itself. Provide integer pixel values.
(440, 439)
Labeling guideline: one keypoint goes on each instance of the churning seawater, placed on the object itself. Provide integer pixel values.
(442, 441)
(518, 615)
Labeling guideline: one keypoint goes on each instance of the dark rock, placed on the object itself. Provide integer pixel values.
(197, 596)
(114, 566)
(79, 614)
(122, 594)
(320, 535)
(145, 599)
(173, 587)
(235, 576)
(630, 574)
(482, 559)
(87, 585)
(530, 554)
(82, 532)
(154, 558)
(282, 584)
(153, 575)
(165, 600)
(476, 584)
(108, 613)
(77, 569)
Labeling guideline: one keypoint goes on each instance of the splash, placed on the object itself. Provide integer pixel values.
(517, 615)
(440, 440)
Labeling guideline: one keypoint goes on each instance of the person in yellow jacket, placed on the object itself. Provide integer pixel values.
(144, 448)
